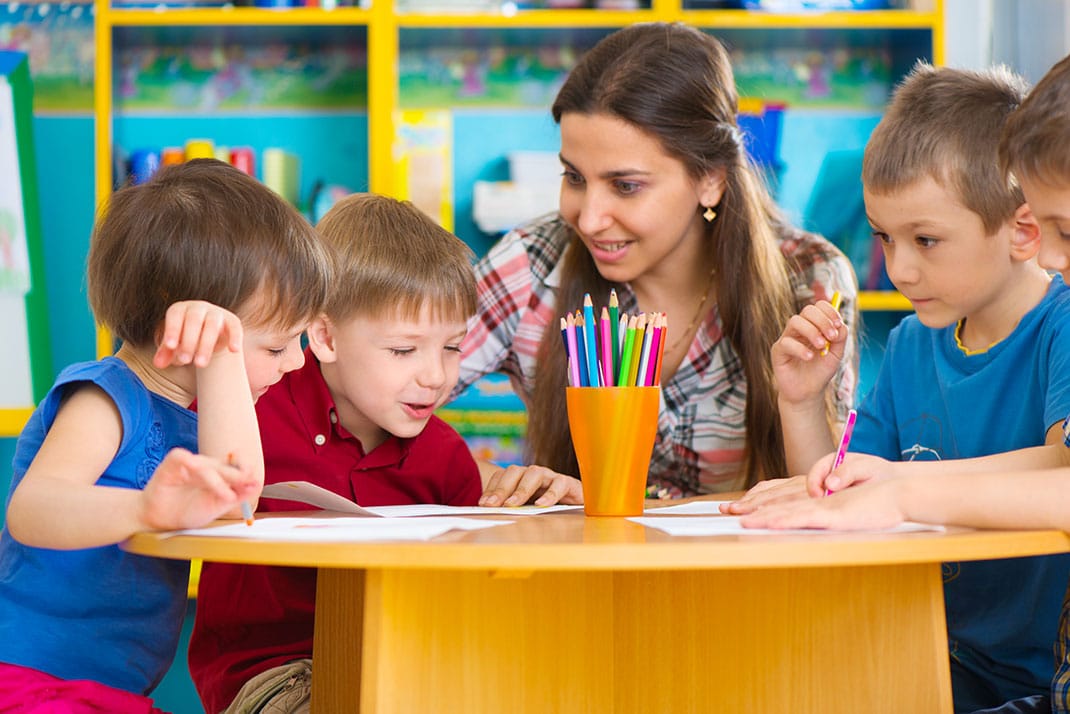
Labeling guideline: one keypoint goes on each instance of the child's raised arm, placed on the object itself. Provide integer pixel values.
(211, 338)
(805, 360)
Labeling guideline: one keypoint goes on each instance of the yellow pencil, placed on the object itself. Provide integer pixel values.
(835, 306)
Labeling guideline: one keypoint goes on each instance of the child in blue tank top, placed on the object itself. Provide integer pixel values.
(989, 491)
(207, 278)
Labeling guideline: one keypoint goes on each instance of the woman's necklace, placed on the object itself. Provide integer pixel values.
(688, 333)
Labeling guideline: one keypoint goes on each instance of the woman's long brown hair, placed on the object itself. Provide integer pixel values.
(675, 83)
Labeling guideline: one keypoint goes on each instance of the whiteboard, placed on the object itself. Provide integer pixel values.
(25, 354)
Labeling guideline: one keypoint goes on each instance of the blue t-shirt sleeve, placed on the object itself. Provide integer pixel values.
(875, 427)
(1057, 395)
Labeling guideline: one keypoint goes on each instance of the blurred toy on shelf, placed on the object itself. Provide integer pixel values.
(491, 418)
(799, 5)
(58, 40)
(238, 69)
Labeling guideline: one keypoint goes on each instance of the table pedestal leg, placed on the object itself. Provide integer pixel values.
(824, 640)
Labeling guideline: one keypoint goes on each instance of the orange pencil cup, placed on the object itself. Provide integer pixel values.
(613, 431)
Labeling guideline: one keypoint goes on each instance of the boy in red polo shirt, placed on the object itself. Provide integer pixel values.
(357, 420)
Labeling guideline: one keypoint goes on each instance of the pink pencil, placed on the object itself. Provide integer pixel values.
(661, 348)
(573, 350)
(655, 345)
(607, 349)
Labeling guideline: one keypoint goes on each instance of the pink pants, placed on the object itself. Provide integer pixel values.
(28, 691)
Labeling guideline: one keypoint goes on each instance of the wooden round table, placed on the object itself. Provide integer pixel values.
(563, 613)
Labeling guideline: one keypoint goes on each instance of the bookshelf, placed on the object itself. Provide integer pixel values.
(383, 30)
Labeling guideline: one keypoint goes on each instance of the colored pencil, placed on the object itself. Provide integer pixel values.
(845, 441)
(246, 509)
(573, 351)
(581, 352)
(644, 354)
(626, 353)
(661, 347)
(614, 326)
(633, 366)
(835, 306)
(655, 347)
(589, 327)
(608, 378)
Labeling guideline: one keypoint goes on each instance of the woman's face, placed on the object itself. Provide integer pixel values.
(634, 206)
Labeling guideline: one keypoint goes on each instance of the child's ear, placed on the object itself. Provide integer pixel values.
(1026, 240)
(321, 338)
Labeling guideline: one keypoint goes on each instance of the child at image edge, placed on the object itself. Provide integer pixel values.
(208, 278)
(356, 420)
(986, 492)
(981, 368)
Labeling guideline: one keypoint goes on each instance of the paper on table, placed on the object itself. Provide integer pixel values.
(313, 495)
(689, 508)
(729, 525)
(430, 509)
(331, 530)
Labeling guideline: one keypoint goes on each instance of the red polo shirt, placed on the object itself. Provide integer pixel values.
(252, 618)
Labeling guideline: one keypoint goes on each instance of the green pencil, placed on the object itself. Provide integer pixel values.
(626, 353)
(614, 321)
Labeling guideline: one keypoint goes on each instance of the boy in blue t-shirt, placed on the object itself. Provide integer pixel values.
(994, 491)
(980, 368)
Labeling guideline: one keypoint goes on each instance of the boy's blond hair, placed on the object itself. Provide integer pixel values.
(392, 259)
(945, 124)
(1036, 139)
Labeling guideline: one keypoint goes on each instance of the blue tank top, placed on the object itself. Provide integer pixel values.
(100, 613)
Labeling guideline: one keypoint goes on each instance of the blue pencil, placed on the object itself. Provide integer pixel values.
(590, 341)
(581, 352)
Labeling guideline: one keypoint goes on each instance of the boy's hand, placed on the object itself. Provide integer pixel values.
(516, 485)
(801, 370)
(191, 490)
(193, 331)
(855, 469)
(764, 493)
(869, 505)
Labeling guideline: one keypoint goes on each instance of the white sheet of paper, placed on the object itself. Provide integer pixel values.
(431, 509)
(313, 495)
(729, 525)
(691, 508)
(328, 530)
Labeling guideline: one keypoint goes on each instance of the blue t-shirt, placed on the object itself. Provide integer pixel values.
(100, 613)
(933, 401)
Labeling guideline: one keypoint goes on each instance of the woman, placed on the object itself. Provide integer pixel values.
(658, 201)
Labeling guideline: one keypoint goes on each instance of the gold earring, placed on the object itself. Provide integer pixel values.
(710, 214)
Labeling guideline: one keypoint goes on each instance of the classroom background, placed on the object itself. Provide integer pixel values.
(444, 102)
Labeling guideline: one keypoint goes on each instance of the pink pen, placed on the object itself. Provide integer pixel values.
(845, 439)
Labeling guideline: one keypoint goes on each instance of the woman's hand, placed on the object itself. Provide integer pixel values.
(517, 485)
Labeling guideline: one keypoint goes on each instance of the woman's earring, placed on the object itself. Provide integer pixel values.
(710, 214)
